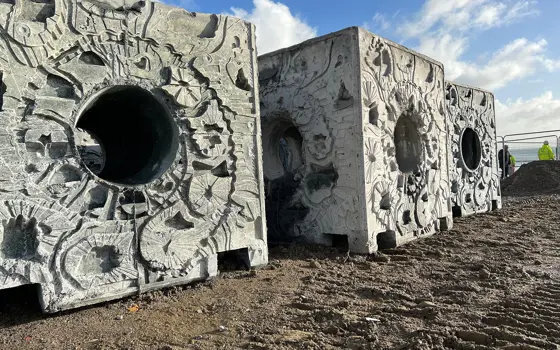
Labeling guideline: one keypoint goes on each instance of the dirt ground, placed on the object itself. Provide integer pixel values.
(492, 282)
(534, 178)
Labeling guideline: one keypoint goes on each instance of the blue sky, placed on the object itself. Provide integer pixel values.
(510, 47)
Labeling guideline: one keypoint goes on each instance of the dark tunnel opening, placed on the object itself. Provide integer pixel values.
(133, 133)
(470, 149)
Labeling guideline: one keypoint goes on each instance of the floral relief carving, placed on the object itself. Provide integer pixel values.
(211, 134)
(396, 88)
(472, 150)
(405, 100)
(208, 193)
(150, 224)
(184, 87)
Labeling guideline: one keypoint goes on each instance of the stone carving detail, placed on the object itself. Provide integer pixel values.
(471, 124)
(363, 153)
(30, 231)
(407, 181)
(129, 147)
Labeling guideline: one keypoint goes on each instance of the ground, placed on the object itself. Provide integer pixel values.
(492, 282)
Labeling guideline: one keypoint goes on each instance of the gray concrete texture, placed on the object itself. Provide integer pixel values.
(129, 148)
(363, 157)
(472, 150)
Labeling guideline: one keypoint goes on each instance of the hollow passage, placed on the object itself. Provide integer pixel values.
(136, 135)
(470, 149)
(289, 149)
(408, 145)
(282, 157)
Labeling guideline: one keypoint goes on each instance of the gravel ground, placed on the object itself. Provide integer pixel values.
(492, 282)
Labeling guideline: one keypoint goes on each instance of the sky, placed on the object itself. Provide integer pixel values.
(510, 47)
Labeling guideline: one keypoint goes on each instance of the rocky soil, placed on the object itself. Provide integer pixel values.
(491, 283)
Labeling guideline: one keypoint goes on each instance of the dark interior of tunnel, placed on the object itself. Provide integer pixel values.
(137, 133)
(281, 211)
(470, 149)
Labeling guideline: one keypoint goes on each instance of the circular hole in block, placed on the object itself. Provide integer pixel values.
(126, 136)
(408, 145)
(471, 152)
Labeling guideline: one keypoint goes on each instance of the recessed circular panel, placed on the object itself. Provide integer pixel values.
(408, 145)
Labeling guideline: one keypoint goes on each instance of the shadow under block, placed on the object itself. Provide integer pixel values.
(129, 148)
(354, 142)
(473, 158)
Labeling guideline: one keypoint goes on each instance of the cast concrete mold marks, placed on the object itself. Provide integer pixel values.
(354, 142)
(129, 147)
(471, 124)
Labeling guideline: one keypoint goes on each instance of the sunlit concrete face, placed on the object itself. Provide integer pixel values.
(471, 124)
(354, 142)
(130, 148)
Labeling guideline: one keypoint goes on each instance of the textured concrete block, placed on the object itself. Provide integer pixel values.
(471, 125)
(354, 142)
(129, 147)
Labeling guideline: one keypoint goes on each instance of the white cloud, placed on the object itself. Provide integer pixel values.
(521, 9)
(444, 29)
(518, 59)
(465, 15)
(536, 114)
(489, 15)
(377, 23)
(549, 64)
(276, 26)
(443, 12)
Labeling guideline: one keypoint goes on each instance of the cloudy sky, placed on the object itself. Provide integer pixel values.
(510, 47)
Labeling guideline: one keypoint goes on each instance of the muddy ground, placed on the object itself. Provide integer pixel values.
(492, 282)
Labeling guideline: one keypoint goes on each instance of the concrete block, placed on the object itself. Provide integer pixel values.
(471, 124)
(129, 147)
(354, 142)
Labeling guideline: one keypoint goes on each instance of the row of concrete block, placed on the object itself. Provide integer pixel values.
(376, 145)
(139, 143)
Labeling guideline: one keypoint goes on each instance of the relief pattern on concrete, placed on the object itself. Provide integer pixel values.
(405, 143)
(471, 123)
(129, 147)
(310, 108)
(336, 103)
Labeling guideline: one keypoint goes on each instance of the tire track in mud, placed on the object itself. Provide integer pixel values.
(535, 316)
(529, 321)
(497, 281)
